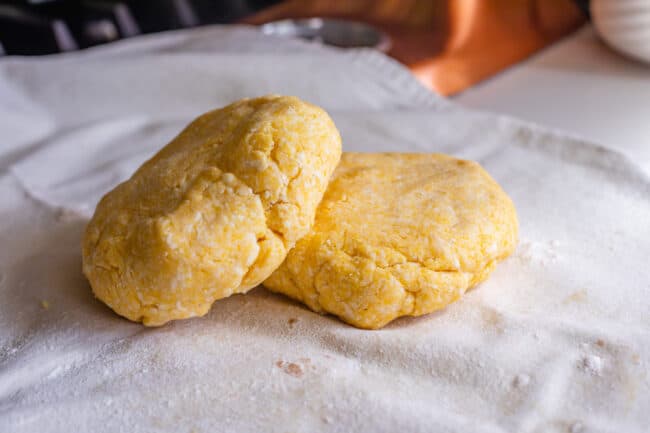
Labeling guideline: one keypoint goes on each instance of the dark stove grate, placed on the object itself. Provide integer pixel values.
(36, 27)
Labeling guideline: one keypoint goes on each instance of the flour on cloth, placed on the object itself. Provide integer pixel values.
(555, 341)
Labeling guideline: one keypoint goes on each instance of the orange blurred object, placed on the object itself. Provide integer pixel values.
(449, 44)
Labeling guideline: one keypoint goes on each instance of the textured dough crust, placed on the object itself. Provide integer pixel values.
(398, 235)
(214, 212)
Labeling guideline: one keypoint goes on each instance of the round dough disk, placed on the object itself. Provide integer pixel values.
(398, 235)
(214, 212)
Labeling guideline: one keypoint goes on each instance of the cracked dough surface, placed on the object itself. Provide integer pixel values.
(214, 212)
(398, 235)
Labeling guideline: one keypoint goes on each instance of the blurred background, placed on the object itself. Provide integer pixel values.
(576, 65)
(36, 27)
(449, 44)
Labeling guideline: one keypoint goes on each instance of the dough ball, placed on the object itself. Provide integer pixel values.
(398, 235)
(214, 212)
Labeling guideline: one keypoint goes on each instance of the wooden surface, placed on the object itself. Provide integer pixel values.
(449, 44)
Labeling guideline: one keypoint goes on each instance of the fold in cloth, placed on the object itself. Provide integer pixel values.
(556, 340)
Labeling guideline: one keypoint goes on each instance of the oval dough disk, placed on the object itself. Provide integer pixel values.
(214, 212)
(398, 235)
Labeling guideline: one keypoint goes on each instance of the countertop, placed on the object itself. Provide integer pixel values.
(579, 86)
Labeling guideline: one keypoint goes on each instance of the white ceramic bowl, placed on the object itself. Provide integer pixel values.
(624, 25)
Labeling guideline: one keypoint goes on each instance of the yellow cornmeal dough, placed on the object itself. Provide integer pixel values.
(398, 235)
(214, 212)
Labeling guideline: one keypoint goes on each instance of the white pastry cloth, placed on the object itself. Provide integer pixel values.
(557, 340)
